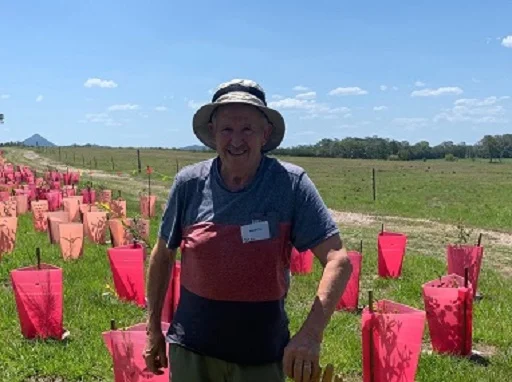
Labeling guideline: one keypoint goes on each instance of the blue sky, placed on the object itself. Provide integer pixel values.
(130, 73)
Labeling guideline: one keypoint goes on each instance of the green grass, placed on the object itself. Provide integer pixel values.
(87, 313)
(475, 192)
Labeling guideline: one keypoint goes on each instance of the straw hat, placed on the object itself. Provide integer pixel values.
(238, 91)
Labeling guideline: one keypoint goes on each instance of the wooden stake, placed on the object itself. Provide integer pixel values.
(361, 246)
(479, 240)
(113, 324)
(328, 373)
(373, 176)
(49, 224)
(382, 228)
(149, 193)
(38, 257)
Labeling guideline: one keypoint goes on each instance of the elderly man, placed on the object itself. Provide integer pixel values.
(235, 219)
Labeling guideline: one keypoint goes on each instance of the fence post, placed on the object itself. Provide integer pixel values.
(373, 176)
(138, 160)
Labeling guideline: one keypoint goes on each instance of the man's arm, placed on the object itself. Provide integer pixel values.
(159, 273)
(302, 354)
(337, 270)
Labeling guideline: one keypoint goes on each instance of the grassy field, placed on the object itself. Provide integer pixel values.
(475, 192)
(450, 188)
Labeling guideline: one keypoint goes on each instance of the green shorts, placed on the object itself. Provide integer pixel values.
(187, 366)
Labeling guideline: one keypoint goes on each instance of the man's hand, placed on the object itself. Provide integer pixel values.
(301, 360)
(155, 354)
(158, 277)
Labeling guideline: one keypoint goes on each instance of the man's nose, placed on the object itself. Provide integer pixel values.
(237, 139)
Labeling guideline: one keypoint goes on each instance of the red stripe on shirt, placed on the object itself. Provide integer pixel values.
(217, 265)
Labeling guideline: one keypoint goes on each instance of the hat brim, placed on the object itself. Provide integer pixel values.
(203, 114)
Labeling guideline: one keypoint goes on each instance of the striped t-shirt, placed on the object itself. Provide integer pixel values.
(233, 291)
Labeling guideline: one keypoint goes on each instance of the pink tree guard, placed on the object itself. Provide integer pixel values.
(126, 347)
(4, 196)
(71, 240)
(172, 297)
(147, 205)
(391, 252)
(391, 342)
(95, 225)
(460, 257)
(21, 203)
(89, 196)
(167, 309)
(8, 229)
(301, 262)
(449, 309)
(127, 266)
(54, 200)
(39, 300)
(350, 298)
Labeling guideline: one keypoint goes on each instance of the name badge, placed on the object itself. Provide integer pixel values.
(255, 231)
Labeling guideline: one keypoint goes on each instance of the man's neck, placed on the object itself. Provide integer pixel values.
(237, 180)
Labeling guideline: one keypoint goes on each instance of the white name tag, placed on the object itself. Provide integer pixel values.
(255, 231)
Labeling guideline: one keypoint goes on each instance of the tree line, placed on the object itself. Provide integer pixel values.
(493, 147)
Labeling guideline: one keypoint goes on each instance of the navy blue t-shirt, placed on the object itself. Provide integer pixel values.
(233, 291)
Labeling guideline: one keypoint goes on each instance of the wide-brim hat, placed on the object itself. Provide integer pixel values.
(238, 91)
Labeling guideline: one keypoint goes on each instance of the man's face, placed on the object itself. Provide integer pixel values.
(240, 131)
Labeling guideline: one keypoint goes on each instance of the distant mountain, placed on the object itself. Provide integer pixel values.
(194, 148)
(37, 140)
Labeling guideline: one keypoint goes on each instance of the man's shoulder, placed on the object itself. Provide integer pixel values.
(196, 171)
(280, 166)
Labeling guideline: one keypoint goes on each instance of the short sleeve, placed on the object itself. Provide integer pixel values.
(311, 223)
(171, 224)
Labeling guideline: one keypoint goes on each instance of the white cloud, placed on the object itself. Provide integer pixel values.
(352, 90)
(291, 103)
(277, 96)
(308, 95)
(419, 84)
(473, 110)
(123, 107)
(310, 108)
(39, 98)
(395, 88)
(5, 96)
(507, 42)
(436, 92)
(101, 118)
(300, 88)
(411, 123)
(380, 108)
(161, 108)
(98, 82)
(383, 88)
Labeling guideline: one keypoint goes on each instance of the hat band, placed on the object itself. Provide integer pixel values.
(240, 88)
